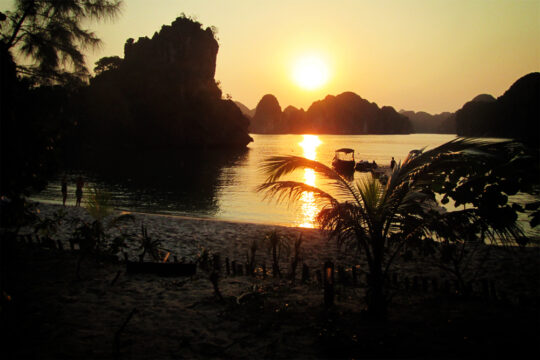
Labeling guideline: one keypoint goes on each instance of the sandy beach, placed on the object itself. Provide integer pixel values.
(113, 314)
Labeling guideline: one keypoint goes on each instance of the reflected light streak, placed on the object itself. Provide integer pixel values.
(309, 209)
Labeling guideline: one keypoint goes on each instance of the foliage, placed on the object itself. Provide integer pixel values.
(148, 245)
(276, 244)
(98, 204)
(107, 63)
(250, 256)
(50, 34)
(210, 264)
(94, 236)
(15, 213)
(49, 226)
(380, 220)
(33, 125)
(297, 256)
(487, 184)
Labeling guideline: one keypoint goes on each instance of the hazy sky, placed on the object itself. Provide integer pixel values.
(429, 55)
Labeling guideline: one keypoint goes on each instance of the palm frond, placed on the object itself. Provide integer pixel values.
(291, 191)
(276, 167)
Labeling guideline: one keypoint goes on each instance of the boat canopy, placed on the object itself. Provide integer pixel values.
(345, 150)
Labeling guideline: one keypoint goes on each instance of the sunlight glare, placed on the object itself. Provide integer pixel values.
(309, 209)
(309, 144)
(310, 72)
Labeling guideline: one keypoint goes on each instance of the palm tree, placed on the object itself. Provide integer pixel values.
(379, 220)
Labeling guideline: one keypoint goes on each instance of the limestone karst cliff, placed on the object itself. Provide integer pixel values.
(515, 114)
(163, 95)
(346, 113)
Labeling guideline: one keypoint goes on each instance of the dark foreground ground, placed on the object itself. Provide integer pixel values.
(50, 315)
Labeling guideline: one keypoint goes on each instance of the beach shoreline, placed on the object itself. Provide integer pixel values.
(181, 317)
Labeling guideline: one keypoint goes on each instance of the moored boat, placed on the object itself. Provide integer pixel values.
(344, 160)
(365, 166)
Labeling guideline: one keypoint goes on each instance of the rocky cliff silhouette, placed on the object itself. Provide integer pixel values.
(423, 122)
(163, 95)
(245, 110)
(515, 114)
(346, 113)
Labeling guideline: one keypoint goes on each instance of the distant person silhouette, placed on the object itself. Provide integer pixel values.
(64, 190)
(392, 163)
(79, 192)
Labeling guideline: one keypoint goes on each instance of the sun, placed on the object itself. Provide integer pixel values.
(310, 72)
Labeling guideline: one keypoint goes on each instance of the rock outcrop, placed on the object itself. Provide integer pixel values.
(245, 110)
(346, 113)
(515, 114)
(163, 95)
(267, 118)
(423, 122)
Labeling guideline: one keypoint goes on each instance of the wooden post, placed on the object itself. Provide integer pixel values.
(227, 266)
(354, 275)
(264, 270)
(341, 274)
(240, 270)
(216, 260)
(233, 267)
(328, 284)
(319, 277)
(60, 245)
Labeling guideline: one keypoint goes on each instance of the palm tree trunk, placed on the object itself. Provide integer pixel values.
(376, 299)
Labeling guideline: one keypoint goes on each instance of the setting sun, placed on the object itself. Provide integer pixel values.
(310, 72)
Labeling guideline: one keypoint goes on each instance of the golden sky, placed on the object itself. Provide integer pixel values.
(429, 55)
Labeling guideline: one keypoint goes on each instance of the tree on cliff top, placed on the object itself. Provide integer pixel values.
(49, 33)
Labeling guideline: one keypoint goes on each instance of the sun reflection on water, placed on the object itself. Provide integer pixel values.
(309, 209)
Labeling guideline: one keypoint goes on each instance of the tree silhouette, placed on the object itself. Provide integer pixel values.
(49, 33)
(107, 63)
(381, 220)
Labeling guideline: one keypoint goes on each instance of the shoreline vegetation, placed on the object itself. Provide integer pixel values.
(140, 315)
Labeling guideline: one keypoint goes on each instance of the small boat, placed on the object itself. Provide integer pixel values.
(343, 161)
(365, 166)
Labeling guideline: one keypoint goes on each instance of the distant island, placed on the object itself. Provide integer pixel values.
(161, 95)
(423, 122)
(346, 113)
(515, 114)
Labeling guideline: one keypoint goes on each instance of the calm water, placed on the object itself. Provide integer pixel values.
(223, 187)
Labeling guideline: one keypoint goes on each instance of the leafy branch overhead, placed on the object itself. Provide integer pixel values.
(50, 38)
